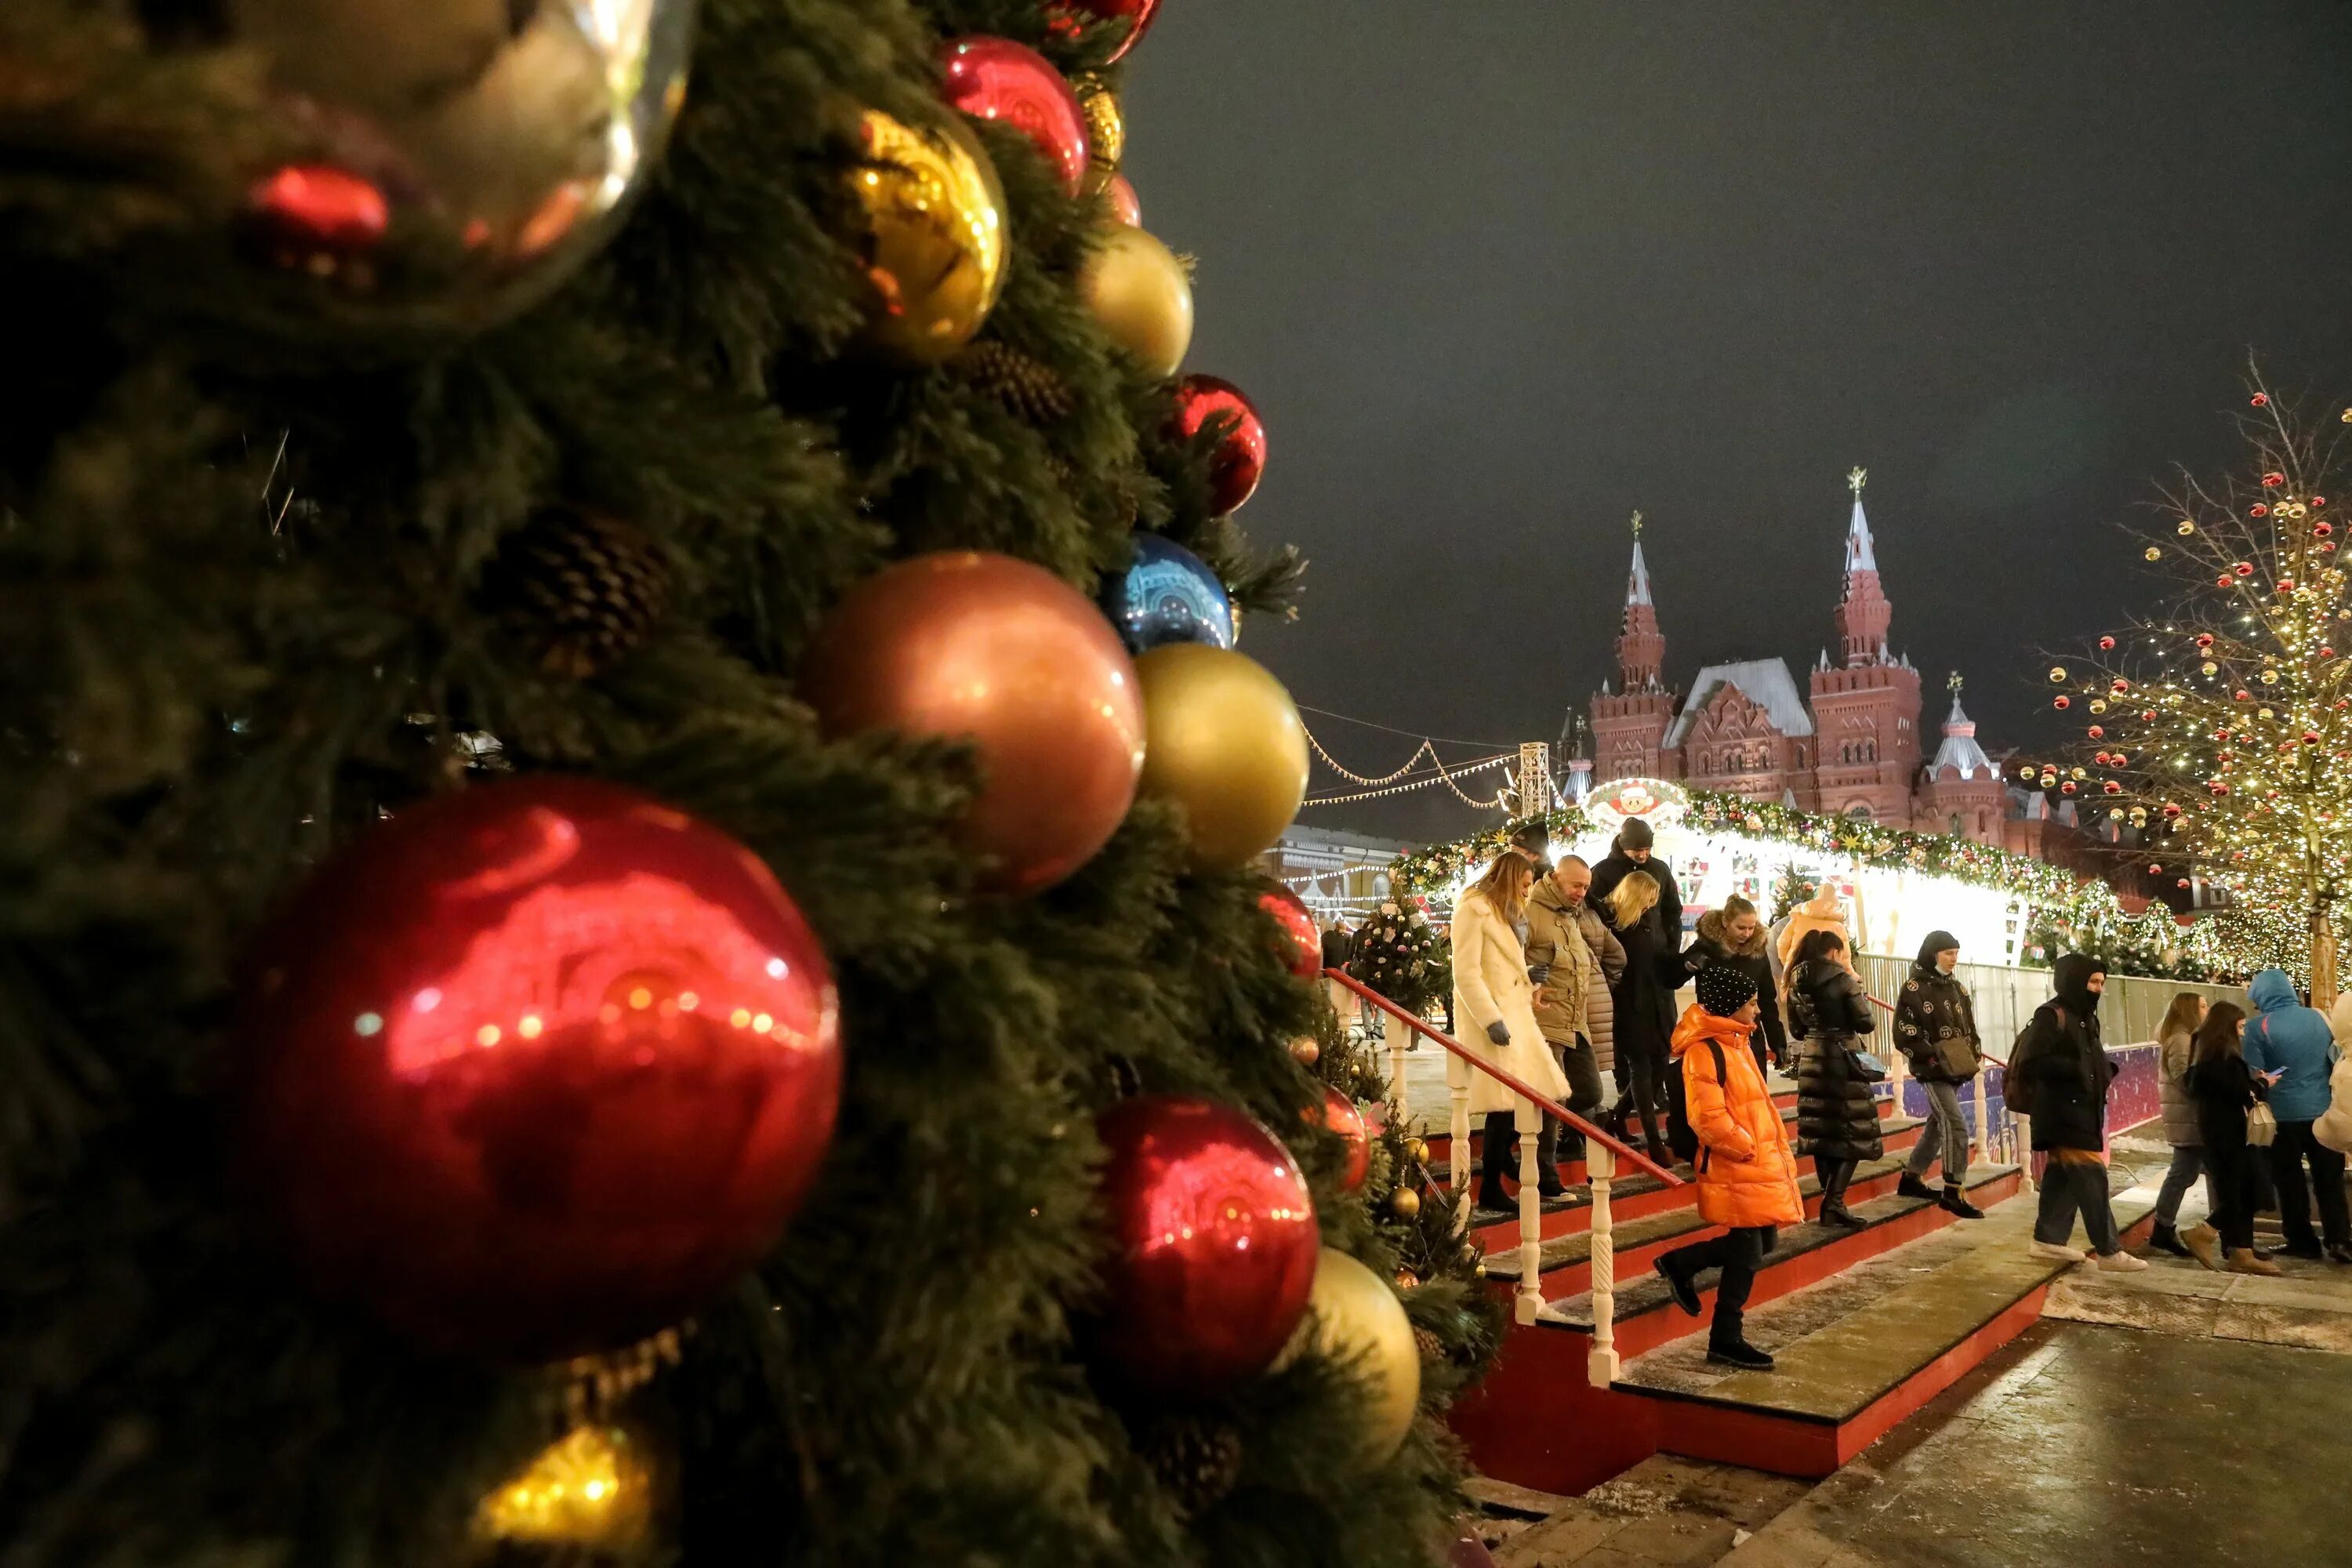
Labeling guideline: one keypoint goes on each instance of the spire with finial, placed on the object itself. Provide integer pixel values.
(1641, 646)
(1862, 613)
(1959, 750)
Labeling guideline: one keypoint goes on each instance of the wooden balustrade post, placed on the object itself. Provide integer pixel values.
(1895, 1063)
(1602, 1366)
(1528, 1299)
(1397, 1036)
(1459, 1161)
(1983, 1128)
(2024, 1133)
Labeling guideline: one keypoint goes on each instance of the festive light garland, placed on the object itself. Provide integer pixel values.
(1440, 776)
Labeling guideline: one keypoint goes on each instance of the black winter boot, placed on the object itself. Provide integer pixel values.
(2165, 1239)
(1739, 1353)
(1911, 1186)
(1494, 1159)
(1833, 1185)
(1955, 1201)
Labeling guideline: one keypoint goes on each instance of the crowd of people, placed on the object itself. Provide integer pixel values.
(1566, 975)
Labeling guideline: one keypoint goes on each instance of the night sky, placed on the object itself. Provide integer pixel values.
(1496, 274)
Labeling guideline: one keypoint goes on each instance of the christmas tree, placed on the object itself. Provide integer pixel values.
(604, 954)
(1790, 888)
(2216, 731)
(1400, 955)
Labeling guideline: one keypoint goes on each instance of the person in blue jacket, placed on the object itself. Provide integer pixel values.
(2294, 1042)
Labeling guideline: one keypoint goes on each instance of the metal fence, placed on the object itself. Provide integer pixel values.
(2129, 1010)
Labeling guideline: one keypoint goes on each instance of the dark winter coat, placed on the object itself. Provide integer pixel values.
(1712, 945)
(2224, 1088)
(1338, 946)
(1642, 998)
(2063, 1067)
(1612, 871)
(1837, 1119)
(1933, 1005)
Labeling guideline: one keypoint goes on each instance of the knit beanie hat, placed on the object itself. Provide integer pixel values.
(1635, 835)
(1723, 990)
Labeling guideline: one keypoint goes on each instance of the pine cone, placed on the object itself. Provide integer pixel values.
(1195, 1458)
(1432, 1348)
(583, 589)
(1028, 387)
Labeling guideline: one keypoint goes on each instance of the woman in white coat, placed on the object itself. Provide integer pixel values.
(1494, 1005)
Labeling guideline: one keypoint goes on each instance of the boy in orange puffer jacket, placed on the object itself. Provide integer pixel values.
(1746, 1175)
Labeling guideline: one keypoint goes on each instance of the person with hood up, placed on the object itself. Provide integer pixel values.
(2294, 1044)
(1494, 994)
(1734, 934)
(2175, 1039)
(2061, 1073)
(1747, 1176)
(1933, 1010)
(1837, 1115)
(1578, 958)
(1634, 851)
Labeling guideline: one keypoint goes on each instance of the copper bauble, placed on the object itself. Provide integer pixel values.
(1226, 746)
(1137, 12)
(1239, 459)
(1126, 206)
(536, 1068)
(1306, 1050)
(970, 645)
(1138, 295)
(934, 245)
(1213, 1247)
(1356, 1320)
(997, 78)
(1301, 948)
(1340, 1115)
(459, 161)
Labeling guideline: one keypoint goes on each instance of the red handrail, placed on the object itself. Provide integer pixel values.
(1558, 1113)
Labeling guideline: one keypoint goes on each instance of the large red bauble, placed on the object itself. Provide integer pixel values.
(1213, 1247)
(997, 78)
(1240, 456)
(1342, 1115)
(1141, 12)
(1302, 948)
(304, 210)
(970, 645)
(535, 1069)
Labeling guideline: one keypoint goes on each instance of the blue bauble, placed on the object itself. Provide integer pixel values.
(1168, 595)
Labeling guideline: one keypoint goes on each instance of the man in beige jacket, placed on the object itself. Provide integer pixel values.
(1577, 957)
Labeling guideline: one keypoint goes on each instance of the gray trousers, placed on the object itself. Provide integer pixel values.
(1946, 1136)
(2188, 1164)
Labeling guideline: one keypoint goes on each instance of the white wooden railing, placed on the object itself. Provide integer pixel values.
(1601, 1156)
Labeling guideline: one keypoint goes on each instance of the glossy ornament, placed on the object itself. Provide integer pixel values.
(934, 242)
(1405, 1203)
(1106, 132)
(1356, 1319)
(1226, 746)
(2058, 675)
(1213, 1246)
(536, 1068)
(1305, 1051)
(1168, 595)
(459, 162)
(590, 1491)
(1138, 293)
(1126, 206)
(1138, 13)
(1239, 459)
(974, 647)
(1013, 84)
(1343, 1117)
(1302, 945)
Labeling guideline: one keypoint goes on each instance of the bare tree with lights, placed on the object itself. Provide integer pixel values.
(2221, 726)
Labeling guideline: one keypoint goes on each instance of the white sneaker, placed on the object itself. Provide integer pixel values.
(2121, 1263)
(2057, 1253)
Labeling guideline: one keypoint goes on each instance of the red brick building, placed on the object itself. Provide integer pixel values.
(1851, 741)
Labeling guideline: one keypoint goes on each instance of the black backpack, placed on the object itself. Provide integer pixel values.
(2016, 1092)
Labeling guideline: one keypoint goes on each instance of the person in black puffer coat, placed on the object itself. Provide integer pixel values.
(1837, 1119)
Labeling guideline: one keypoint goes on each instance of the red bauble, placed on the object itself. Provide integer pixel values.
(2273, 480)
(1139, 12)
(1213, 1247)
(536, 1068)
(997, 78)
(2260, 400)
(2223, 581)
(2066, 788)
(2155, 870)
(2062, 701)
(980, 648)
(1302, 944)
(1239, 459)
(1342, 1115)
(2180, 881)
(2323, 528)
(1125, 204)
(2258, 510)
(2241, 694)
(316, 209)
(2204, 639)
(2106, 643)
(2244, 568)
(2098, 732)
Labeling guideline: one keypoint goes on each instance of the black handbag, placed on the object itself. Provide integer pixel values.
(1866, 1067)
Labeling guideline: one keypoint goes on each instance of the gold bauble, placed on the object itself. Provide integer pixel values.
(1106, 132)
(1307, 1052)
(1354, 1318)
(1223, 743)
(1138, 295)
(592, 1487)
(1405, 1201)
(2057, 675)
(934, 246)
(2152, 554)
(2186, 528)
(1417, 1150)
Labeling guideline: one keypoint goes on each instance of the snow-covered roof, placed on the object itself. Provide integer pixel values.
(1860, 555)
(1637, 581)
(1959, 749)
(1763, 681)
